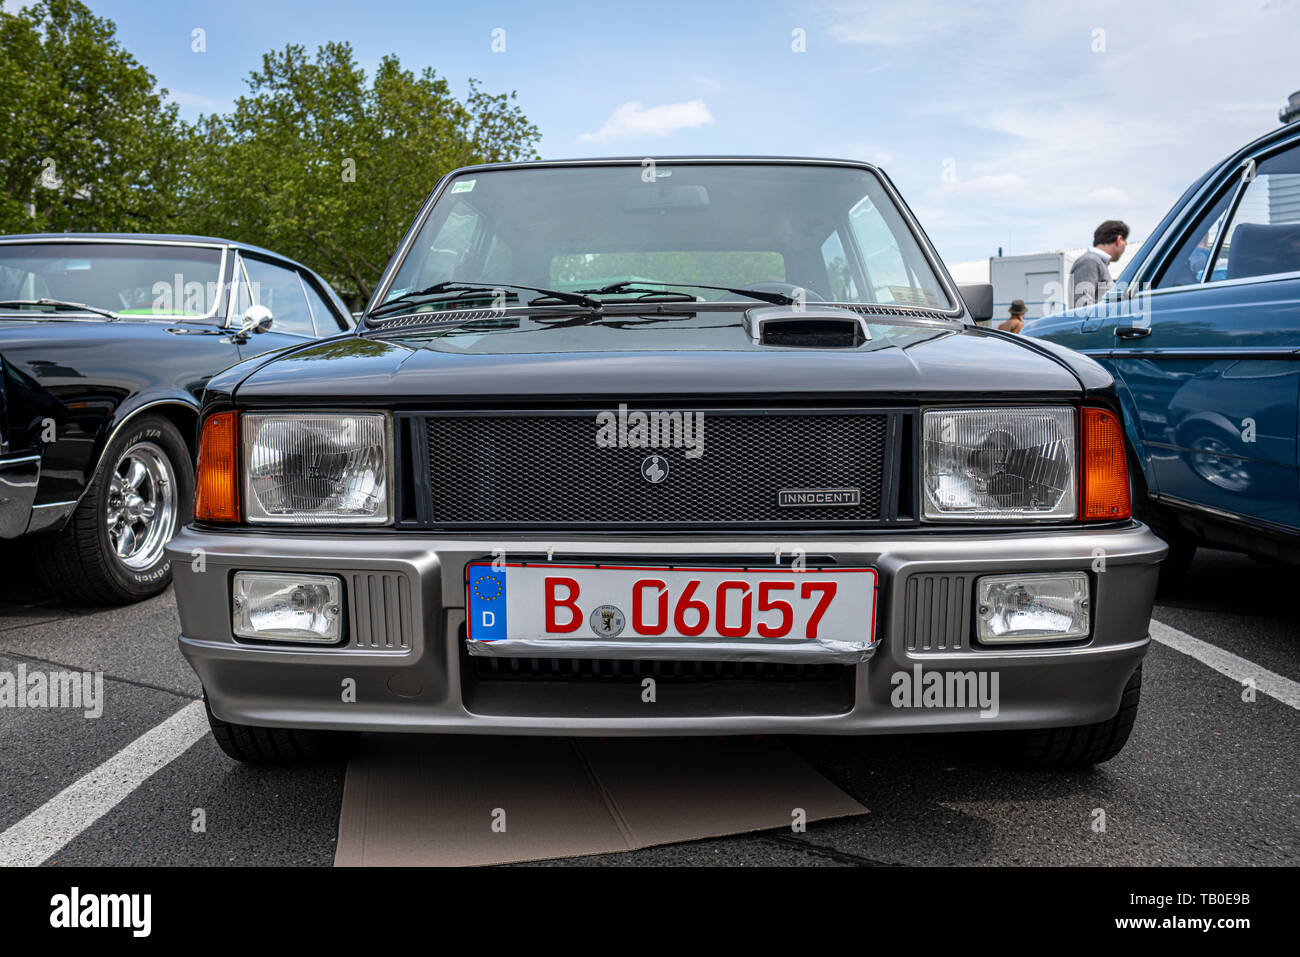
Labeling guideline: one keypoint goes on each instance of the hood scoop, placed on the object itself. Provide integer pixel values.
(807, 327)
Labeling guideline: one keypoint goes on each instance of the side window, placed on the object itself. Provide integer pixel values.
(1264, 235)
(280, 291)
(842, 286)
(1188, 263)
(242, 298)
(328, 321)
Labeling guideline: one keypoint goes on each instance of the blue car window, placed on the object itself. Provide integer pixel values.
(1264, 236)
(1187, 265)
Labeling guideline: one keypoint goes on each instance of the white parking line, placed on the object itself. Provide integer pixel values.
(1225, 662)
(44, 832)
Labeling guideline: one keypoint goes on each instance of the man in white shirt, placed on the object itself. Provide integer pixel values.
(1090, 275)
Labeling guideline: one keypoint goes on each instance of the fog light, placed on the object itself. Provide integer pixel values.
(272, 607)
(1046, 607)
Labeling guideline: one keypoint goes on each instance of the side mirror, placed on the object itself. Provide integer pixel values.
(978, 297)
(256, 319)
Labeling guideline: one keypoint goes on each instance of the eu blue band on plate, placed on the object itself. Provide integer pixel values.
(487, 603)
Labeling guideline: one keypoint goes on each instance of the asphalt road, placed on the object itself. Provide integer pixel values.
(1206, 779)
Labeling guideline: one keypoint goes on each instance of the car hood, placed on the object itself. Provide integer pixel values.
(902, 360)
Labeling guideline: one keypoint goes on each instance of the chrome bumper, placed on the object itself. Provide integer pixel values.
(404, 653)
(19, 476)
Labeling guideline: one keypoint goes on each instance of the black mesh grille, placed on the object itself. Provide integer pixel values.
(614, 669)
(548, 469)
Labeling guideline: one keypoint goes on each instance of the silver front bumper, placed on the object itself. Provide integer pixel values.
(405, 613)
(19, 476)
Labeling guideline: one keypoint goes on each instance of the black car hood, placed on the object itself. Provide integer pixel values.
(903, 360)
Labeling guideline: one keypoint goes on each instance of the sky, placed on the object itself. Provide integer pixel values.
(1019, 125)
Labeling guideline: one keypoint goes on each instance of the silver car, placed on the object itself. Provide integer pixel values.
(667, 447)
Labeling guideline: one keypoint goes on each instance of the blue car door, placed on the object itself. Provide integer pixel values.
(1209, 351)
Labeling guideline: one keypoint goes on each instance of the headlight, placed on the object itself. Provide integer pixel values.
(1008, 464)
(272, 607)
(1052, 606)
(307, 469)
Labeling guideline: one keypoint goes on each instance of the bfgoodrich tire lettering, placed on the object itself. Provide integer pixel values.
(110, 551)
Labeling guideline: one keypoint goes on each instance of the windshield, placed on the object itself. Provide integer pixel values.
(823, 233)
(130, 279)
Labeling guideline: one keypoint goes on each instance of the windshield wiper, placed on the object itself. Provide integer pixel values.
(467, 290)
(776, 298)
(646, 295)
(58, 304)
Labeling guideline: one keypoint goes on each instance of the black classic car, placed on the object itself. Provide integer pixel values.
(686, 446)
(106, 342)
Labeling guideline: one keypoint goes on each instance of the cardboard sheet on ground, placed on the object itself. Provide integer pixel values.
(432, 800)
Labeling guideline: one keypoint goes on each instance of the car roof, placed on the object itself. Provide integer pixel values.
(180, 239)
(685, 158)
(177, 239)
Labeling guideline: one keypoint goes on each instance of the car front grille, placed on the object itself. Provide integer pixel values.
(547, 469)
(634, 669)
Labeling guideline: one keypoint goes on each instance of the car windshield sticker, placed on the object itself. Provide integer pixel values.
(464, 186)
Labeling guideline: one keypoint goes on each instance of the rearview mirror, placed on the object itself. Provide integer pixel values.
(978, 297)
(256, 319)
(661, 198)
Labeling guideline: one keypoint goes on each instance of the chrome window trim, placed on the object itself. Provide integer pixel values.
(237, 275)
(1229, 215)
(161, 316)
(957, 311)
(302, 284)
(1220, 283)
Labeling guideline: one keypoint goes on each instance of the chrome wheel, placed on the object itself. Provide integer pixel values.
(141, 510)
(1215, 462)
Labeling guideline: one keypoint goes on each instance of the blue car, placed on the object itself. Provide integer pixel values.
(1202, 334)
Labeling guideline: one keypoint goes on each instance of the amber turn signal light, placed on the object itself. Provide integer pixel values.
(216, 487)
(1105, 467)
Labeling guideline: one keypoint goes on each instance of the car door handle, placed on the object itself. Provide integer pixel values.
(1132, 332)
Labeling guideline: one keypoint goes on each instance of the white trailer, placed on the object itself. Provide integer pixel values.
(1040, 279)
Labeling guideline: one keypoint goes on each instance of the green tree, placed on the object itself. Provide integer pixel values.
(89, 142)
(323, 166)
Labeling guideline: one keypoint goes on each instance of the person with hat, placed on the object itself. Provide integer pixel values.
(1016, 320)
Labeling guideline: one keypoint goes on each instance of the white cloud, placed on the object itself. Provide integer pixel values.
(632, 120)
(707, 84)
(1050, 134)
(903, 24)
(195, 100)
(1109, 196)
(871, 152)
(989, 186)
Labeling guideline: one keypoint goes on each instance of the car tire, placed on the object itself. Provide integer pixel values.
(280, 746)
(111, 550)
(1081, 745)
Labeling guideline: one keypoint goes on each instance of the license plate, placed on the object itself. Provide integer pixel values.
(669, 603)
